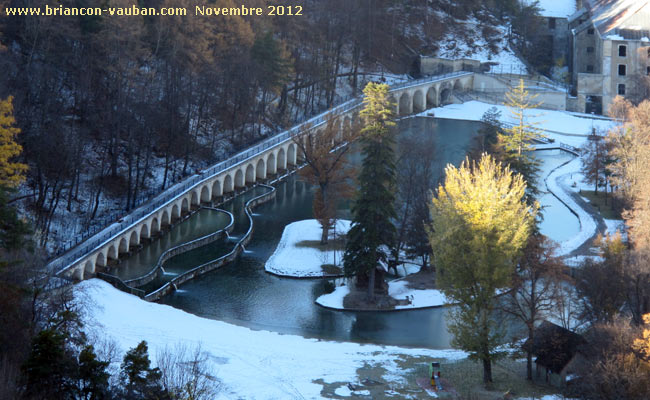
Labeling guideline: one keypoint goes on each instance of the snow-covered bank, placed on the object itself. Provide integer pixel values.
(250, 364)
(587, 222)
(562, 126)
(295, 257)
(397, 289)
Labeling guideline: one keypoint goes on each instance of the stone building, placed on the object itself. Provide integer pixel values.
(610, 53)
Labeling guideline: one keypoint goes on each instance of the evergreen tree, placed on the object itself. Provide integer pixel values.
(372, 228)
(12, 173)
(514, 145)
(480, 225)
(93, 378)
(13, 230)
(50, 369)
(139, 379)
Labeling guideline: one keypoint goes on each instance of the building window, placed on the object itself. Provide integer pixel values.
(590, 49)
(622, 50)
(590, 31)
(647, 70)
(621, 89)
(590, 68)
(551, 23)
(622, 69)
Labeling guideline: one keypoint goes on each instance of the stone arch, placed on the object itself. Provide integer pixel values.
(185, 206)
(78, 274)
(194, 199)
(270, 164)
(228, 184)
(206, 196)
(291, 154)
(445, 94)
(144, 232)
(155, 226)
(432, 97)
(250, 173)
(176, 212)
(419, 103)
(134, 240)
(239, 178)
(111, 254)
(405, 104)
(260, 169)
(216, 188)
(89, 268)
(458, 86)
(124, 245)
(281, 159)
(100, 260)
(164, 219)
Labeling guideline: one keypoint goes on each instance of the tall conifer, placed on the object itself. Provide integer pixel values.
(373, 212)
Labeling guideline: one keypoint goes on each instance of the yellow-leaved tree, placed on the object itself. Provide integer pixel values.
(480, 226)
(12, 173)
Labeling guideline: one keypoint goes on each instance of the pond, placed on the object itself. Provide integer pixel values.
(243, 293)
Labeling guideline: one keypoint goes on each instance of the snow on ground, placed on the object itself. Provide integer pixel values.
(455, 46)
(557, 8)
(250, 364)
(559, 125)
(396, 289)
(292, 259)
(419, 298)
(616, 225)
(587, 223)
(334, 299)
(577, 261)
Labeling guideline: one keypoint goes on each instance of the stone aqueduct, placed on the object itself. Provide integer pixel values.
(408, 98)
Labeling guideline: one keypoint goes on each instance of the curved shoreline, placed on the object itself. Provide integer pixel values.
(132, 285)
(209, 266)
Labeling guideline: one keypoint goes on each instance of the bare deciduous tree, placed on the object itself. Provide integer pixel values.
(186, 373)
(536, 285)
(326, 167)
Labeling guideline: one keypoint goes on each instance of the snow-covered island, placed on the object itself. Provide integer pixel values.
(399, 289)
(300, 254)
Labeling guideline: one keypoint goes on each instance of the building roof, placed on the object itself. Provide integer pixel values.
(554, 346)
(613, 16)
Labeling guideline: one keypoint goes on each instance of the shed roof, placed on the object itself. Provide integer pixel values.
(554, 346)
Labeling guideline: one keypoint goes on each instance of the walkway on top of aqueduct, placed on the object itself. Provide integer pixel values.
(268, 157)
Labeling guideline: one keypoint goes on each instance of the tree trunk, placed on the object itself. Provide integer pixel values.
(487, 372)
(371, 284)
(529, 360)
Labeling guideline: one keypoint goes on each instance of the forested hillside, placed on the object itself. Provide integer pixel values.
(115, 108)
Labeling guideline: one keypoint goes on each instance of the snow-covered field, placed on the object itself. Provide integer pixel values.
(250, 364)
(396, 289)
(291, 258)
